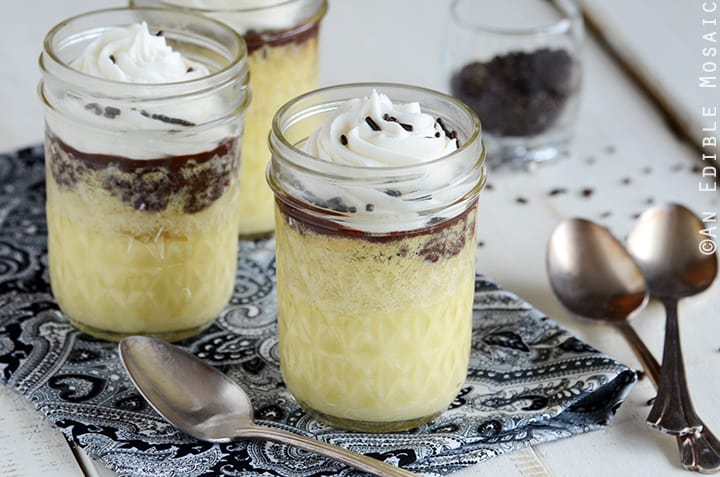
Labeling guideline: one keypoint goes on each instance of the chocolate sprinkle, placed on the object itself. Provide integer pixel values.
(557, 191)
(111, 112)
(189, 69)
(369, 207)
(343, 140)
(94, 107)
(626, 181)
(336, 204)
(112, 58)
(159, 33)
(605, 214)
(441, 123)
(373, 125)
(587, 192)
(167, 119)
(521, 200)
(393, 119)
(393, 192)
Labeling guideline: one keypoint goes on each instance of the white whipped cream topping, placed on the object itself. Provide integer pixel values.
(133, 55)
(396, 135)
(159, 129)
(258, 16)
(374, 132)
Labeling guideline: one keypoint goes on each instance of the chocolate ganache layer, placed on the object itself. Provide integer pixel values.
(148, 185)
(444, 238)
(255, 40)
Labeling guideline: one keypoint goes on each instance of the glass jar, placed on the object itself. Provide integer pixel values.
(374, 299)
(143, 179)
(520, 73)
(282, 42)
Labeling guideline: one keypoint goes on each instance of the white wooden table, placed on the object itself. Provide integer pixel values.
(623, 151)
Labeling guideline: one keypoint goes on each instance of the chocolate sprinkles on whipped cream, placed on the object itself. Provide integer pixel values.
(450, 134)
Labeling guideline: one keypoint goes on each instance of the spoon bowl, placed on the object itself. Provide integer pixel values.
(592, 274)
(594, 277)
(206, 404)
(188, 403)
(665, 243)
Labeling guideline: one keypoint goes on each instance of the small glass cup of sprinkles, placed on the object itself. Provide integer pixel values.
(144, 113)
(376, 190)
(520, 73)
(282, 43)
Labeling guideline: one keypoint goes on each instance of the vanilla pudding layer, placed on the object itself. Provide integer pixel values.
(375, 328)
(281, 69)
(142, 246)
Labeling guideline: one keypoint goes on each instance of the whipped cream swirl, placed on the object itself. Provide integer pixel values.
(133, 55)
(374, 132)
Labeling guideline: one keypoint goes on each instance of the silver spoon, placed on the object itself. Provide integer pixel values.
(593, 276)
(204, 403)
(665, 244)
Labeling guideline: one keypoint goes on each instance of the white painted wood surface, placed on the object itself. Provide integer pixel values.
(620, 136)
(674, 47)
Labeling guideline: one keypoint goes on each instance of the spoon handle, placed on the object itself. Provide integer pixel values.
(340, 454)
(673, 411)
(652, 367)
(699, 452)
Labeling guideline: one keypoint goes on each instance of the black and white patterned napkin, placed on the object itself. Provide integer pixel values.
(529, 381)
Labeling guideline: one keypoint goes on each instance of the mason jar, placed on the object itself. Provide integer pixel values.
(375, 267)
(143, 179)
(282, 42)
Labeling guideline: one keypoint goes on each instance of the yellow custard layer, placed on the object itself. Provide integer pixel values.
(278, 73)
(116, 271)
(373, 331)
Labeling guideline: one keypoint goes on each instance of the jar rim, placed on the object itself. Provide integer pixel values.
(251, 5)
(317, 165)
(569, 10)
(236, 66)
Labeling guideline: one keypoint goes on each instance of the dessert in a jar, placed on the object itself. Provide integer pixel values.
(282, 43)
(375, 240)
(144, 119)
